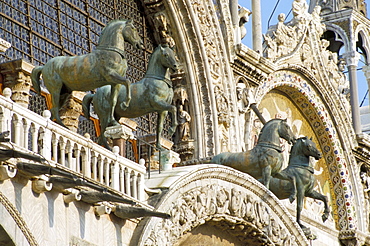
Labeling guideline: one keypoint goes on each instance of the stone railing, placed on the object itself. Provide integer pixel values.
(32, 132)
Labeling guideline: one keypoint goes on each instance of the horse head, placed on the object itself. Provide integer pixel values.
(131, 35)
(168, 58)
(308, 148)
(285, 132)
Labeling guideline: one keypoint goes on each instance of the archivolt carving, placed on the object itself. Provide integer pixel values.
(13, 211)
(241, 214)
(221, 197)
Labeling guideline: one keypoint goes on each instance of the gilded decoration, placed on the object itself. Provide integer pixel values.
(307, 101)
(277, 105)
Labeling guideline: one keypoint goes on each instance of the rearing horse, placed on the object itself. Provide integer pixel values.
(265, 159)
(106, 65)
(153, 93)
(298, 178)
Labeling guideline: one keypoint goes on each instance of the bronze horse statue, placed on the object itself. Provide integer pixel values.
(153, 93)
(106, 65)
(298, 178)
(266, 158)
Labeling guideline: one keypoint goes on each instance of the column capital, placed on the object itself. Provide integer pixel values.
(366, 71)
(4, 45)
(352, 58)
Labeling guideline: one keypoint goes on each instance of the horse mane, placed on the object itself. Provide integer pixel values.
(296, 146)
(270, 122)
(107, 28)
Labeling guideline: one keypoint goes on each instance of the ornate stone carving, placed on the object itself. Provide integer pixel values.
(222, 107)
(71, 110)
(17, 78)
(241, 214)
(243, 15)
(162, 27)
(293, 39)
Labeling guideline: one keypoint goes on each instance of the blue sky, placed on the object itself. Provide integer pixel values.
(284, 6)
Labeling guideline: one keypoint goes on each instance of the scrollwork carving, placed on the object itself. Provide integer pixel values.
(230, 208)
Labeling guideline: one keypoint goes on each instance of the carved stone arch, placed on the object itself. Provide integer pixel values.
(361, 31)
(222, 197)
(340, 32)
(13, 222)
(204, 55)
(334, 138)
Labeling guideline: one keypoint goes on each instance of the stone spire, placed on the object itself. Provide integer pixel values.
(329, 6)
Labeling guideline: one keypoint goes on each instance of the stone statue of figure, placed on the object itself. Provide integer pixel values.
(343, 85)
(243, 15)
(365, 180)
(285, 36)
(243, 106)
(184, 119)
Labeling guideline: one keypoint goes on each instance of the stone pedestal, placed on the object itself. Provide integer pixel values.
(185, 149)
(71, 110)
(168, 159)
(152, 139)
(16, 76)
(120, 134)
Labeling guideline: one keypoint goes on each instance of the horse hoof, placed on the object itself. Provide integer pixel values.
(324, 217)
(124, 105)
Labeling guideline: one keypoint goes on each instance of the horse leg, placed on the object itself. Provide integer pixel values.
(300, 196)
(128, 94)
(102, 139)
(292, 179)
(160, 121)
(266, 176)
(316, 195)
(113, 102)
(162, 105)
(55, 101)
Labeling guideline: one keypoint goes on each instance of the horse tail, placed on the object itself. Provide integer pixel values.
(35, 77)
(86, 101)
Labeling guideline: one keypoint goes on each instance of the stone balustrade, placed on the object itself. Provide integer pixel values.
(59, 145)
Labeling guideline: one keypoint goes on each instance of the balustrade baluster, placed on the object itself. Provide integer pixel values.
(55, 148)
(77, 152)
(34, 138)
(62, 146)
(101, 170)
(107, 173)
(26, 127)
(134, 184)
(94, 163)
(127, 182)
(16, 130)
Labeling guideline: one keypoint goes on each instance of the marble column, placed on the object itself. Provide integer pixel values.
(257, 26)
(352, 59)
(366, 70)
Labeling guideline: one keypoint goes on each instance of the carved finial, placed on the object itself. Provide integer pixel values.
(46, 114)
(7, 92)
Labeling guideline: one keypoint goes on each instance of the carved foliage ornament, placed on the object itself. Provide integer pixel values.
(240, 214)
